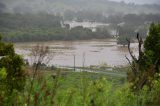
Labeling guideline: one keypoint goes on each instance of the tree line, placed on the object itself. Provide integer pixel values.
(43, 27)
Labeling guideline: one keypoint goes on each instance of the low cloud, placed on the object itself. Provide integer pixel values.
(140, 1)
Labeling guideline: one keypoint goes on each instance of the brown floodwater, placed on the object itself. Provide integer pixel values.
(88, 52)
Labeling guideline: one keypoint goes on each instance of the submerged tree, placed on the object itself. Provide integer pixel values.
(122, 41)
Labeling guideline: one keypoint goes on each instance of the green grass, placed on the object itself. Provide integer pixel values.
(69, 88)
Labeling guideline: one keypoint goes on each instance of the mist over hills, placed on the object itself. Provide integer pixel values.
(60, 6)
(140, 1)
(42, 20)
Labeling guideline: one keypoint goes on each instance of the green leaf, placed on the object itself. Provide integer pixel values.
(3, 73)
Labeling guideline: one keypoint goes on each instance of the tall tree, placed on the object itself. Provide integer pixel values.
(152, 45)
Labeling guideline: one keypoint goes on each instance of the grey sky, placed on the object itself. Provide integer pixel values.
(140, 1)
(127, 1)
(44, 5)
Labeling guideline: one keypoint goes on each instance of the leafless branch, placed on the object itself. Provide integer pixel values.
(132, 67)
(130, 52)
(39, 55)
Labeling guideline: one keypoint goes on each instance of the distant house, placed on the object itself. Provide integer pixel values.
(90, 25)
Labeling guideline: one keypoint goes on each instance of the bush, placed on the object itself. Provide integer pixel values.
(12, 67)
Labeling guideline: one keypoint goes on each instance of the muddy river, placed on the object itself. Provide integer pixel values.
(88, 52)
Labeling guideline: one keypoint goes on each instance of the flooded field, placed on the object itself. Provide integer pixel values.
(92, 52)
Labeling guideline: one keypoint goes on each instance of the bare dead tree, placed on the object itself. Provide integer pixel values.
(135, 61)
(40, 54)
(137, 66)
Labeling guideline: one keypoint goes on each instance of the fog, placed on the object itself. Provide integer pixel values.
(140, 1)
(60, 6)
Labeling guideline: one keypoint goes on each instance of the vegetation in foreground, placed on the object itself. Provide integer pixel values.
(81, 89)
(67, 88)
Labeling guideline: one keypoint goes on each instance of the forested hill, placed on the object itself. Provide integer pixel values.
(41, 20)
(43, 27)
(19, 21)
(60, 6)
(46, 27)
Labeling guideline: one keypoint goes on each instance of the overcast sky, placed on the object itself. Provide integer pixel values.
(127, 1)
(141, 1)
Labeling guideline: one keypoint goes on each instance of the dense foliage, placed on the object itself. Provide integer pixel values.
(43, 27)
(79, 89)
(152, 45)
(12, 74)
